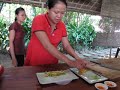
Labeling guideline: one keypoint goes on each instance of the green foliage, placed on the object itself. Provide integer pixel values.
(27, 28)
(3, 34)
(81, 33)
(37, 10)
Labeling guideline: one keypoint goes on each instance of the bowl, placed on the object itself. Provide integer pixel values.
(101, 86)
(110, 84)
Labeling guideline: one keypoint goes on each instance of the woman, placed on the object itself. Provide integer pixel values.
(16, 38)
(47, 32)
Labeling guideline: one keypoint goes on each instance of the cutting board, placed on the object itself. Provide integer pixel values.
(109, 73)
(113, 63)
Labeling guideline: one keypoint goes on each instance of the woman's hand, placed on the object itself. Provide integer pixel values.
(14, 62)
(84, 63)
(75, 64)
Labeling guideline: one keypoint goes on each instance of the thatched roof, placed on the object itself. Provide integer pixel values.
(109, 8)
(87, 6)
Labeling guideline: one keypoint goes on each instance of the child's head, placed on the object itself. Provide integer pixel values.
(20, 14)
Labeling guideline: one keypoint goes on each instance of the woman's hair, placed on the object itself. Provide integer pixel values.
(51, 3)
(17, 11)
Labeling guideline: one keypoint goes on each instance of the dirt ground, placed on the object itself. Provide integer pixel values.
(5, 60)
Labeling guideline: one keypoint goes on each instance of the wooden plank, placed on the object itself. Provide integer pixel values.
(113, 63)
(109, 73)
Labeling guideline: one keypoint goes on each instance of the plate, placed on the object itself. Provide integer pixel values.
(63, 82)
(89, 76)
(61, 79)
(110, 84)
(101, 86)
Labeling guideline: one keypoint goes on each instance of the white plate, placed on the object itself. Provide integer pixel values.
(110, 82)
(98, 85)
(89, 76)
(63, 82)
(62, 79)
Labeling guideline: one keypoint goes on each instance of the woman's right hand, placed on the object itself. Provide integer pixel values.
(14, 62)
(75, 64)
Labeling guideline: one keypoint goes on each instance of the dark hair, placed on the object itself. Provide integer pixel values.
(51, 3)
(17, 11)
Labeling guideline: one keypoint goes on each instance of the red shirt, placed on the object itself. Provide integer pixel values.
(19, 38)
(36, 53)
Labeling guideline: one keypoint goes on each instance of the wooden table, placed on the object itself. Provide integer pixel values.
(24, 78)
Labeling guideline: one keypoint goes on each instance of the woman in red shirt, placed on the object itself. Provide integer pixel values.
(16, 38)
(48, 31)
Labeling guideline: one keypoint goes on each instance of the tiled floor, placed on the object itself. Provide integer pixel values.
(86, 54)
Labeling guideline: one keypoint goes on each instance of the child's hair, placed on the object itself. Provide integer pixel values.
(51, 3)
(17, 11)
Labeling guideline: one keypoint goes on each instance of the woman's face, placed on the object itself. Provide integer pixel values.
(21, 16)
(57, 12)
